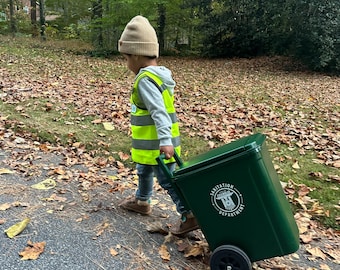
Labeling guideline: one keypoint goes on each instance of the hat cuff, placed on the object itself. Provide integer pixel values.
(139, 48)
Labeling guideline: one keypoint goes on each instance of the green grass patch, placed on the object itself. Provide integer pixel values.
(63, 126)
(314, 175)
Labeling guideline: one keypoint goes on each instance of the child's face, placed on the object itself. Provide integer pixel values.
(133, 62)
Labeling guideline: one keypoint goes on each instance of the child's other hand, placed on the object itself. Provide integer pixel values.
(167, 150)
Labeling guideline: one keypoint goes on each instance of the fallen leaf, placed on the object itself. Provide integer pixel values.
(55, 197)
(156, 227)
(19, 108)
(302, 203)
(17, 204)
(334, 254)
(316, 174)
(79, 219)
(164, 253)
(182, 245)
(296, 165)
(44, 147)
(17, 228)
(108, 126)
(211, 144)
(303, 191)
(48, 106)
(123, 156)
(318, 210)
(154, 202)
(306, 238)
(335, 178)
(194, 250)
(5, 206)
(102, 228)
(113, 177)
(316, 252)
(46, 184)
(324, 267)
(299, 144)
(33, 251)
(120, 165)
(96, 121)
(318, 161)
(5, 171)
(113, 252)
(101, 161)
(59, 171)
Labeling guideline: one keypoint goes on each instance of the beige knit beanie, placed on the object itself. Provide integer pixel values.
(139, 38)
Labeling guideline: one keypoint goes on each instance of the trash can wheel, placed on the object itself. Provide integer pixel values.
(228, 257)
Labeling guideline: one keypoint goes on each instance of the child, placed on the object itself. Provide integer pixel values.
(153, 120)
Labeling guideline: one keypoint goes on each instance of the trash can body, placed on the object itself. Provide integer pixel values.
(237, 198)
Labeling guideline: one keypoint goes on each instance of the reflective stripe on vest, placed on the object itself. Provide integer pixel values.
(145, 142)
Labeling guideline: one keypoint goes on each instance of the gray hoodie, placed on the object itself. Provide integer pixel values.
(153, 101)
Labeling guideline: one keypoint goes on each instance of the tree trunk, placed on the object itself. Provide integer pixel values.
(34, 18)
(97, 15)
(42, 19)
(161, 26)
(11, 17)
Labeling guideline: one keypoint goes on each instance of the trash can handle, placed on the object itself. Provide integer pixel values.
(164, 168)
(179, 161)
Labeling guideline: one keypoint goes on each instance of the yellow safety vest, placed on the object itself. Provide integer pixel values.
(145, 142)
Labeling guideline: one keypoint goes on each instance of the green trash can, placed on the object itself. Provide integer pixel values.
(237, 198)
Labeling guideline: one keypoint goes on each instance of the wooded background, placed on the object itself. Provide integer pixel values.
(307, 30)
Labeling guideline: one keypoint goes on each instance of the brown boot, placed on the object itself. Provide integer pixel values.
(184, 225)
(141, 207)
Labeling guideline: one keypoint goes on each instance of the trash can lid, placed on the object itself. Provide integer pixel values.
(243, 145)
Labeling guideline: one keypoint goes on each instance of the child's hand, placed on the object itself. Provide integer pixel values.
(167, 150)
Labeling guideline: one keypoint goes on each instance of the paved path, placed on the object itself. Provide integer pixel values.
(80, 223)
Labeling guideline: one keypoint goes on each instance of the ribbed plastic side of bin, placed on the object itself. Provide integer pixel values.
(237, 198)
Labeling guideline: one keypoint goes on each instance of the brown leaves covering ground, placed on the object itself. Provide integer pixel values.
(216, 99)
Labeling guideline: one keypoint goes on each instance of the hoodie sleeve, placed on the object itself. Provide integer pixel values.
(153, 100)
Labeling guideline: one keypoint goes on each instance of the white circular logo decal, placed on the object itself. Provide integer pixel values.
(227, 200)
